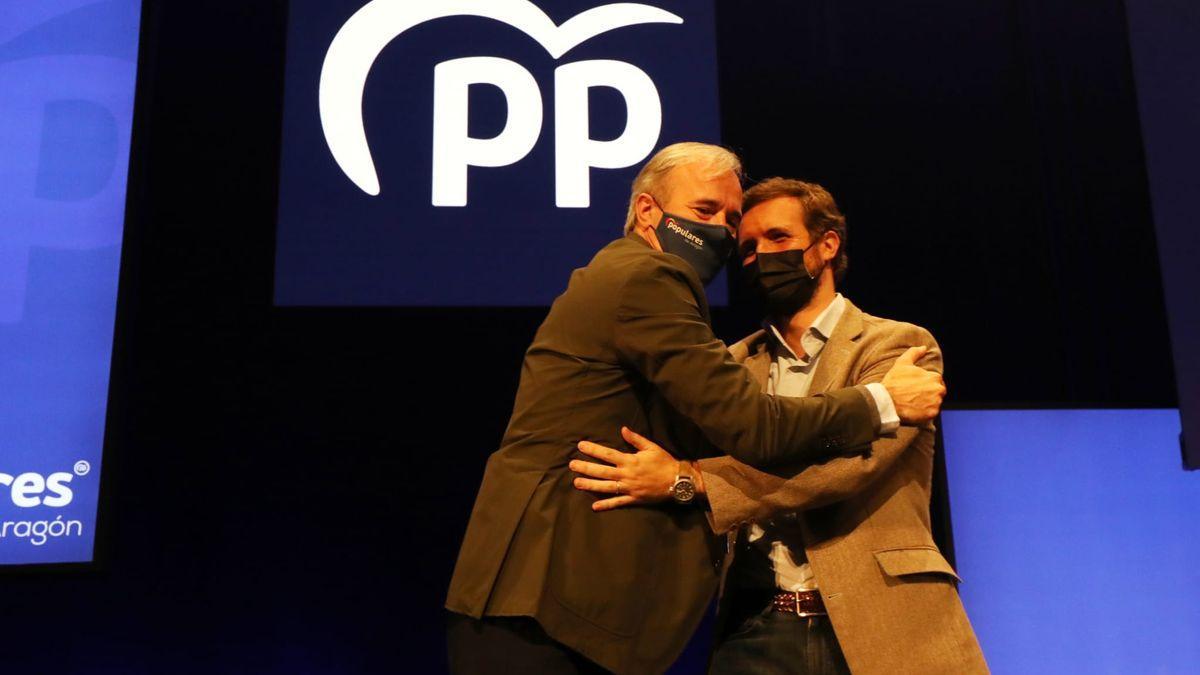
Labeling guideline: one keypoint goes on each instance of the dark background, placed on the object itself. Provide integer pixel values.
(1165, 41)
(286, 487)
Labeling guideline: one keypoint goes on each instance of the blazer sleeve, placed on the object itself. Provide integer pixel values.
(661, 333)
(738, 493)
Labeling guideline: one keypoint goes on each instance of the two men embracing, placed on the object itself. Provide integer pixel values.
(791, 470)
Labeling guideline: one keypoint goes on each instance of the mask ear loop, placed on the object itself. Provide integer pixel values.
(662, 212)
(805, 249)
(804, 263)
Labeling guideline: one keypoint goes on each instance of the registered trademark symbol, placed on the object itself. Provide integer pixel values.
(82, 468)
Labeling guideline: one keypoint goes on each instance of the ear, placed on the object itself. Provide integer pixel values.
(646, 211)
(829, 246)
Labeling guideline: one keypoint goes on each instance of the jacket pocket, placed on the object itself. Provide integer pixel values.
(915, 560)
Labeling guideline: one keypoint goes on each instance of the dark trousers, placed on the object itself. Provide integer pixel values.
(499, 645)
(766, 642)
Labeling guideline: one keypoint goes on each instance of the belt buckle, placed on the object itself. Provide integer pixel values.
(803, 614)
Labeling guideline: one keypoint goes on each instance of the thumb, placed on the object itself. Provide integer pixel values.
(637, 440)
(910, 356)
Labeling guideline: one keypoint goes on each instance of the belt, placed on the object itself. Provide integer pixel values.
(800, 603)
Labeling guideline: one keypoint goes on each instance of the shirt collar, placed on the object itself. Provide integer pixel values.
(817, 334)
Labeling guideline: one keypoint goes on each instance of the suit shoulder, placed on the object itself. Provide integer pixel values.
(878, 328)
(625, 259)
(640, 269)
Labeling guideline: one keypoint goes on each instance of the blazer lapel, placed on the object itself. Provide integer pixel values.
(751, 352)
(759, 365)
(833, 365)
(744, 348)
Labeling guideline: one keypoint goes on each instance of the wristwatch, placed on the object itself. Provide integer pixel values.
(683, 491)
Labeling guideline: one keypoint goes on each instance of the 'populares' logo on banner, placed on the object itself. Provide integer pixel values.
(360, 41)
(32, 504)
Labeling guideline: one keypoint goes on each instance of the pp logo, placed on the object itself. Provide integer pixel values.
(360, 41)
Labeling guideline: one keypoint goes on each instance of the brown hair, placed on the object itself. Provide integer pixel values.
(821, 213)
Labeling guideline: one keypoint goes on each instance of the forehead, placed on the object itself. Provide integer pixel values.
(785, 213)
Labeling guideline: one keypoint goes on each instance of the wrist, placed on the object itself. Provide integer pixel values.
(692, 471)
(697, 478)
(683, 487)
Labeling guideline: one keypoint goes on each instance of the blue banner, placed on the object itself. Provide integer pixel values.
(67, 71)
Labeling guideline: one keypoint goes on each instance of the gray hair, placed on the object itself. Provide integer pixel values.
(652, 177)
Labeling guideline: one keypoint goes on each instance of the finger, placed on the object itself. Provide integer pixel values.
(613, 503)
(607, 487)
(601, 452)
(910, 356)
(593, 470)
(637, 440)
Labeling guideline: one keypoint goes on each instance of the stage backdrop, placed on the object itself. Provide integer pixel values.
(1074, 532)
(291, 497)
(475, 152)
(67, 72)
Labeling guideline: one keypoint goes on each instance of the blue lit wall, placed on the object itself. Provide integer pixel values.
(67, 71)
(1076, 538)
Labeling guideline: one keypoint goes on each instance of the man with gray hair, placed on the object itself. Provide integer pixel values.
(541, 585)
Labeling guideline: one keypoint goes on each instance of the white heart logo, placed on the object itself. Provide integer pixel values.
(360, 41)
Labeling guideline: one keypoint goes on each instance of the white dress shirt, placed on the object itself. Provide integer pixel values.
(791, 375)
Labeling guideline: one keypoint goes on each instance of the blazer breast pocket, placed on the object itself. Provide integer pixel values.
(916, 563)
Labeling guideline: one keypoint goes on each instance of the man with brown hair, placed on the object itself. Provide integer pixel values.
(543, 586)
(835, 568)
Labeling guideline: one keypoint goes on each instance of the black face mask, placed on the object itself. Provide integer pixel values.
(781, 280)
(705, 247)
